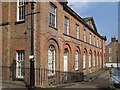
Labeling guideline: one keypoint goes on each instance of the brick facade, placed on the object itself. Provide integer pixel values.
(16, 36)
(112, 53)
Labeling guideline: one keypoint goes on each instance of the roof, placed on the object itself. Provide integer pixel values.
(92, 20)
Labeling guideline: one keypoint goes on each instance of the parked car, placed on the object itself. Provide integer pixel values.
(115, 79)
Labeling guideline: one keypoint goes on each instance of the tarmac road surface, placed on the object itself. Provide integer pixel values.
(101, 83)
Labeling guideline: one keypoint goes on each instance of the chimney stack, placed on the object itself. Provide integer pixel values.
(113, 39)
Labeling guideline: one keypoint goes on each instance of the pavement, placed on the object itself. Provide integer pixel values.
(13, 85)
(101, 82)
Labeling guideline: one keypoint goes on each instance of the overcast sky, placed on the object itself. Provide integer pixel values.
(105, 15)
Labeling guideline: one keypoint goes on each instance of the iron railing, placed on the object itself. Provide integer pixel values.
(41, 76)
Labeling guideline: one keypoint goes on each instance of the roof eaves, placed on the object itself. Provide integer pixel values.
(73, 13)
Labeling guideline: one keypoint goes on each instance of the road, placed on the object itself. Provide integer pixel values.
(100, 83)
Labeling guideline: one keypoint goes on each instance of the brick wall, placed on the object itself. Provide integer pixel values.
(16, 36)
(114, 45)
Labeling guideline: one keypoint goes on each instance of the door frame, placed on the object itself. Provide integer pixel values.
(19, 65)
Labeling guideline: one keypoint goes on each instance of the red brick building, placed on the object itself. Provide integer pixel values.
(63, 41)
(112, 53)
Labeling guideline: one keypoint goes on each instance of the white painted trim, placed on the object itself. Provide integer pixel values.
(17, 10)
(17, 66)
(84, 60)
(90, 59)
(113, 64)
(90, 38)
(50, 58)
(76, 60)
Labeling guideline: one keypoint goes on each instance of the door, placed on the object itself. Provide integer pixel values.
(20, 64)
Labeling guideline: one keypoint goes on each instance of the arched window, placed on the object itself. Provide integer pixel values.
(66, 60)
(94, 58)
(100, 61)
(76, 60)
(90, 58)
(84, 59)
(51, 60)
(97, 58)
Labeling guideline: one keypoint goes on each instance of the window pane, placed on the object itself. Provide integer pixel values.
(66, 25)
(77, 31)
(53, 20)
(20, 63)
(94, 59)
(52, 9)
(65, 28)
(110, 50)
(84, 36)
(110, 59)
(97, 59)
(52, 16)
(51, 60)
(90, 39)
(76, 60)
(21, 10)
(90, 58)
(84, 59)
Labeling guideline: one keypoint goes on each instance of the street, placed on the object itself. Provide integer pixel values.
(100, 83)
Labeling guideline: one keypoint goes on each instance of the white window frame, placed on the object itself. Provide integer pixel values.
(90, 38)
(51, 60)
(77, 31)
(90, 58)
(76, 60)
(84, 59)
(97, 42)
(110, 50)
(66, 60)
(94, 57)
(84, 33)
(66, 25)
(22, 16)
(20, 55)
(110, 58)
(97, 59)
(52, 15)
(100, 61)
